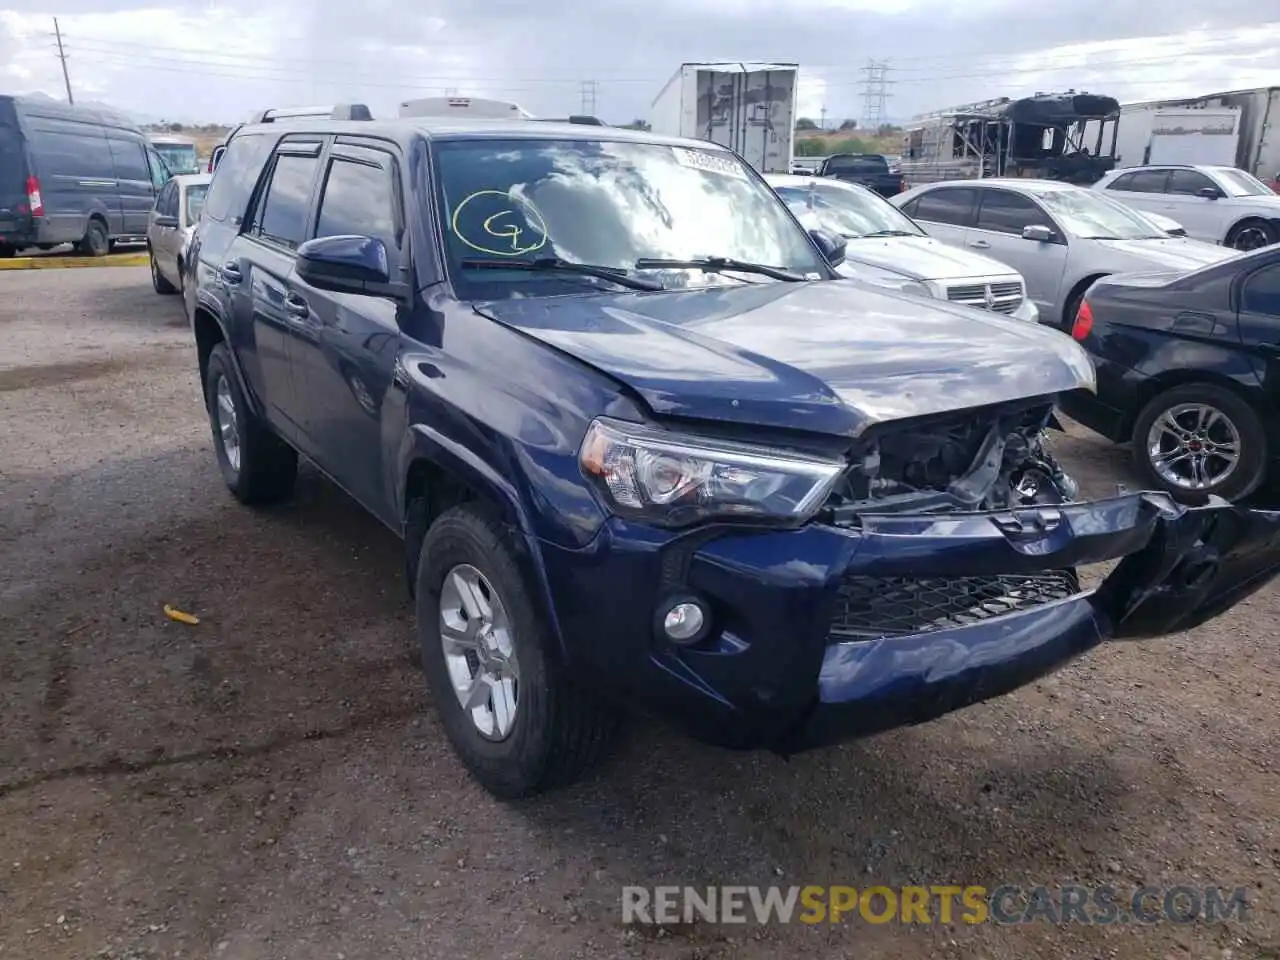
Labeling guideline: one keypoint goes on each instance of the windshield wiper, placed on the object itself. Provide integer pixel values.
(719, 265)
(891, 233)
(555, 264)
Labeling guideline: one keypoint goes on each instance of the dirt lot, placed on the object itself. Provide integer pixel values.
(271, 783)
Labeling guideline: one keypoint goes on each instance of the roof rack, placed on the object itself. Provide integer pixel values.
(582, 118)
(341, 111)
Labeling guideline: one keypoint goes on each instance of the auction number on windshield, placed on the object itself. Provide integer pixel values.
(709, 163)
(496, 223)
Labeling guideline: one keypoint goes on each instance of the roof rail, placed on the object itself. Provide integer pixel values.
(341, 111)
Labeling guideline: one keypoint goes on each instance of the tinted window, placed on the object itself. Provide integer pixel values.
(1006, 212)
(287, 200)
(946, 205)
(1148, 181)
(1123, 182)
(910, 208)
(69, 150)
(1262, 292)
(131, 161)
(857, 165)
(359, 199)
(235, 176)
(196, 194)
(1188, 182)
(167, 200)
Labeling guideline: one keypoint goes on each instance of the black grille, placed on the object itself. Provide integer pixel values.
(874, 607)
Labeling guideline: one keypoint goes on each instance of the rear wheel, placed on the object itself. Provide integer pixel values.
(96, 242)
(257, 465)
(1252, 234)
(1200, 439)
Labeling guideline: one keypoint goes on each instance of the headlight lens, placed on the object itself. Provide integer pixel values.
(674, 480)
(884, 278)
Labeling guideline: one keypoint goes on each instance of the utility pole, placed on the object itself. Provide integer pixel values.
(590, 90)
(823, 121)
(875, 94)
(62, 55)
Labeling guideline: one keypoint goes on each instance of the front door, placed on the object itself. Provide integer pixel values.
(346, 349)
(133, 184)
(1203, 218)
(997, 232)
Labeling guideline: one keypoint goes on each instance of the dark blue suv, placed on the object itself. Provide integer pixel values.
(644, 448)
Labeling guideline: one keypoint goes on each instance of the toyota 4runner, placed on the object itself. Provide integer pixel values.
(643, 446)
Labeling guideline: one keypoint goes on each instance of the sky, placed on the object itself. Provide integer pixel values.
(219, 60)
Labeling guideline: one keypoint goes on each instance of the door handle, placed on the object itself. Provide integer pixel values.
(980, 244)
(230, 272)
(297, 306)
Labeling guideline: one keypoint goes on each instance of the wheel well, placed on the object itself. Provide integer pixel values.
(99, 217)
(1179, 378)
(1273, 223)
(1080, 287)
(429, 491)
(208, 335)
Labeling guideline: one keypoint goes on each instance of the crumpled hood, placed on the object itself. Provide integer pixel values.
(1172, 254)
(924, 258)
(831, 357)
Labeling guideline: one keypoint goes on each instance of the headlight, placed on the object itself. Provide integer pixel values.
(673, 480)
(885, 278)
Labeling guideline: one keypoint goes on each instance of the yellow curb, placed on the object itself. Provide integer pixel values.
(56, 262)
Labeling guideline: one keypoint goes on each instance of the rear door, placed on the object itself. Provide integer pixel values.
(136, 187)
(945, 212)
(15, 211)
(1142, 189)
(997, 232)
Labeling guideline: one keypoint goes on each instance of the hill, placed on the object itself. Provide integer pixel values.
(823, 143)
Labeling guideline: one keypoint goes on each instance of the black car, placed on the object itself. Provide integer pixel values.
(1187, 372)
(871, 170)
(644, 447)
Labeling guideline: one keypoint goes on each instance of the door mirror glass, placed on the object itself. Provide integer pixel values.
(347, 264)
(1037, 232)
(833, 247)
(1209, 193)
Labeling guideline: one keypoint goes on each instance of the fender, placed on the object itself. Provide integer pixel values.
(210, 305)
(425, 443)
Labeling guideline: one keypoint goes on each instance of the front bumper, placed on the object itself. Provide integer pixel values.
(813, 641)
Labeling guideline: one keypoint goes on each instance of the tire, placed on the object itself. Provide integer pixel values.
(1236, 419)
(259, 467)
(96, 242)
(557, 731)
(158, 282)
(1252, 235)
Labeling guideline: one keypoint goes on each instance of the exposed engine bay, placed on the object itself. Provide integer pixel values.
(992, 458)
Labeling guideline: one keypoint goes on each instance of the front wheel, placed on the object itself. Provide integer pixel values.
(519, 724)
(1200, 439)
(158, 282)
(1252, 235)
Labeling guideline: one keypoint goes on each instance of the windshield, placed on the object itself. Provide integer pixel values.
(608, 204)
(847, 211)
(1237, 183)
(195, 201)
(1085, 214)
(178, 157)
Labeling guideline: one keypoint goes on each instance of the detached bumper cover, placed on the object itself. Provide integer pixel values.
(825, 634)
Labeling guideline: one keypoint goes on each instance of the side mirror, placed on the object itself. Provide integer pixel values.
(164, 220)
(1037, 232)
(832, 247)
(1175, 229)
(1209, 193)
(346, 264)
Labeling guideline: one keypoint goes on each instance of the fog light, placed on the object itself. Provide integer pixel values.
(683, 620)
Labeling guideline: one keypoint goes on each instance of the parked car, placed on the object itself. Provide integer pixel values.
(1216, 204)
(1060, 237)
(170, 227)
(885, 247)
(178, 152)
(1185, 373)
(641, 452)
(872, 170)
(73, 175)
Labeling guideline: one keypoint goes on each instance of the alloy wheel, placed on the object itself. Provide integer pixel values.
(227, 421)
(479, 652)
(1193, 446)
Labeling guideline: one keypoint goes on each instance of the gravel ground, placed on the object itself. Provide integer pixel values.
(271, 783)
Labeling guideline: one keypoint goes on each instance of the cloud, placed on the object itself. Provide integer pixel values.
(221, 59)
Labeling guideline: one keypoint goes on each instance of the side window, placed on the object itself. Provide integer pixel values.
(1148, 181)
(360, 198)
(910, 208)
(159, 172)
(282, 215)
(130, 161)
(1262, 292)
(235, 176)
(1123, 182)
(165, 200)
(1006, 212)
(1188, 182)
(953, 205)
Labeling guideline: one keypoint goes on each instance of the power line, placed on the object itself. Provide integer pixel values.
(62, 55)
(875, 93)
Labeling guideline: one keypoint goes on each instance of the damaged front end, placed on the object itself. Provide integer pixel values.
(962, 583)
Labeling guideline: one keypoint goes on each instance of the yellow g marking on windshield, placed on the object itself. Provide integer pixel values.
(515, 239)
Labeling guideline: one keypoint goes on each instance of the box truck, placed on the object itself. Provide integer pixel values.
(748, 107)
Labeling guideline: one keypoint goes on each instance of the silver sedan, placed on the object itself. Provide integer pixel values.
(1061, 238)
(169, 228)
